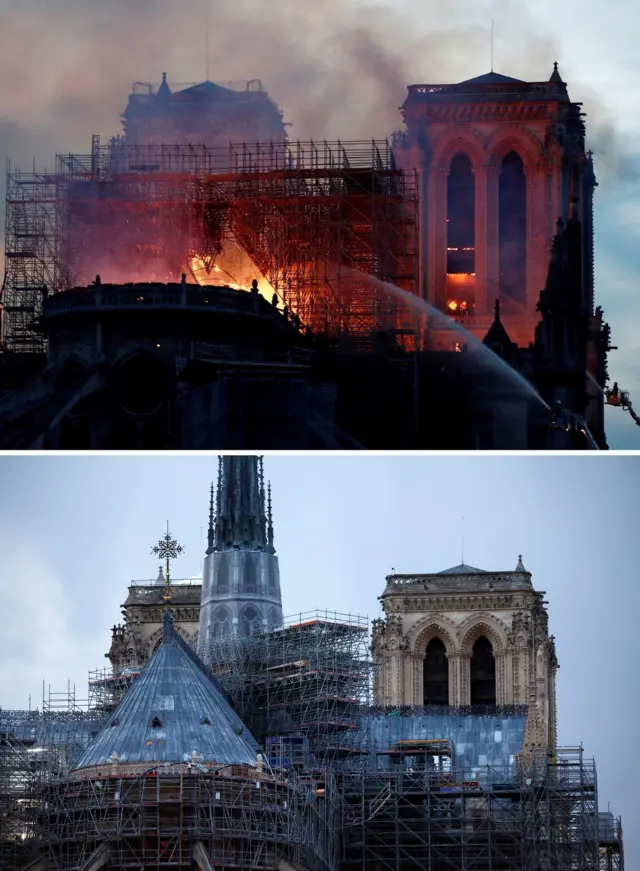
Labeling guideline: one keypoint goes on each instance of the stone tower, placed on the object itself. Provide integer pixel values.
(241, 578)
(500, 162)
(467, 637)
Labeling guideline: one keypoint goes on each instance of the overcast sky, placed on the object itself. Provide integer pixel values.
(339, 68)
(76, 530)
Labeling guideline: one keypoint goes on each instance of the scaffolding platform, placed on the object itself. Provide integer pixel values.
(323, 224)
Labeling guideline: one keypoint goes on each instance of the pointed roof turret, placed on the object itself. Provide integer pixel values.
(164, 90)
(161, 578)
(520, 567)
(241, 523)
(497, 337)
(174, 712)
(555, 75)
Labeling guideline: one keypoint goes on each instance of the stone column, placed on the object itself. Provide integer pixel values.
(394, 674)
(481, 177)
(455, 679)
(492, 237)
(437, 235)
(419, 162)
(500, 660)
(464, 683)
(538, 240)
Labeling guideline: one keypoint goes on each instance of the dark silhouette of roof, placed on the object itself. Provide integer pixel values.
(174, 712)
(555, 75)
(497, 337)
(492, 79)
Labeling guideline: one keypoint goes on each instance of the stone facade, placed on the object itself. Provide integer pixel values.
(487, 120)
(458, 607)
(134, 641)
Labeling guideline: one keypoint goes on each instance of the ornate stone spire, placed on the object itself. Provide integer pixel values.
(520, 567)
(240, 522)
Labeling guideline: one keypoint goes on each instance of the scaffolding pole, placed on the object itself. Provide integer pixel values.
(323, 223)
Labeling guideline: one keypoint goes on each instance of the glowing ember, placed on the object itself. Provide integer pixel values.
(232, 268)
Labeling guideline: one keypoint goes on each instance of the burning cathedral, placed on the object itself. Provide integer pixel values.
(169, 289)
(226, 736)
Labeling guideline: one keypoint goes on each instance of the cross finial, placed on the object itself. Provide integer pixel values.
(167, 549)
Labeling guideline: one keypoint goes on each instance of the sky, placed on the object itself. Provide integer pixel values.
(76, 530)
(339, 69)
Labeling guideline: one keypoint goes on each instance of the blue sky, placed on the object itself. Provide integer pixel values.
(339, 68)
(76, 530)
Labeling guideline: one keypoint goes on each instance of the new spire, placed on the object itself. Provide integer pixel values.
(240, 522)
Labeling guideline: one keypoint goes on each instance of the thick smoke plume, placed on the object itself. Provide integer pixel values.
(337, 68)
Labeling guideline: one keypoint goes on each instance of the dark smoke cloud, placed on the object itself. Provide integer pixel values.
(338, 68)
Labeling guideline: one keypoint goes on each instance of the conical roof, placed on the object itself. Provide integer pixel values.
(492, 79)
(174, 710)
(462, 569)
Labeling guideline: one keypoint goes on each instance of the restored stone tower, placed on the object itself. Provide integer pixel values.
(134, 641)
(500, 162)
(241, 578)
(467, 637)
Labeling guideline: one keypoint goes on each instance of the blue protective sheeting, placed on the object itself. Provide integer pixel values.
(479, 740)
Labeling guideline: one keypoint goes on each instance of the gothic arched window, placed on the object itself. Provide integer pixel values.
(483, 673)
(461, 237)
(221, 622)
(460, 216)
(436, 674)
(512, 228)
(250, 620)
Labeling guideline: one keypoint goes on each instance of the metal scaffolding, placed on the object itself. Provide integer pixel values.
(107, 687)
(426, 814)
(341, 784)
(17, 802)
(318, 221)
(237, 817)
(309, 679)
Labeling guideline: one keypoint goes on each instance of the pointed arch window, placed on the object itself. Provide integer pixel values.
(483, 673)
(250, 621)
(461, 236)
(512, 228)
(221, 622)
(436, 674)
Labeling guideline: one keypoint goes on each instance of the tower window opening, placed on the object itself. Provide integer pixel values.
(460, 290)
(512, 228)
(156, 723)
(483, 673)
(436, 674)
